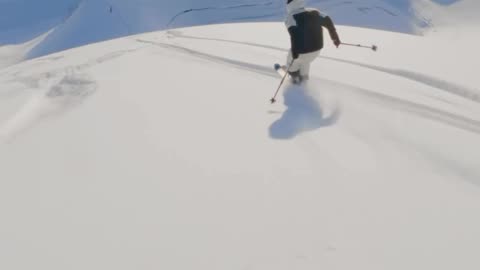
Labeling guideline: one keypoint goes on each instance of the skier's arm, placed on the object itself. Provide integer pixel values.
(292, 31)
(328, 23)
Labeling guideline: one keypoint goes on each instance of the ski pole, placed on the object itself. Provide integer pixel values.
(373, 47)
(273, 100)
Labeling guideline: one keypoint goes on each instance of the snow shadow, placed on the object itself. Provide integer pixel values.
(304, 113)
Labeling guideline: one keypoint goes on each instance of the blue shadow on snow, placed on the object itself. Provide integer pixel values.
(303, 114)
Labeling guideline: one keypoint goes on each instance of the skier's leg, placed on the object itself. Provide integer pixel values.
(306, 63)
(294, 67)
(305, 71)
(303, 62)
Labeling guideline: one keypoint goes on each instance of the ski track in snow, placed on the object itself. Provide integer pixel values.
(213, 58)
(450, 87)
(384, 100)
(408, 106)
(303, 112)
(453, 88)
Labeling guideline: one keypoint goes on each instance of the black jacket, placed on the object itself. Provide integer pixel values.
(306, 31)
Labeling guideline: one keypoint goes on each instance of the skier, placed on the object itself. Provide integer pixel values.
(306, 36)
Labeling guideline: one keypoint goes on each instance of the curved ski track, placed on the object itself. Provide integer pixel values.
(424, 111)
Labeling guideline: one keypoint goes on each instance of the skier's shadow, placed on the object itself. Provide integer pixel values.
(303, 114)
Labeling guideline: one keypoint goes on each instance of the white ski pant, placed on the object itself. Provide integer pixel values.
(302, 63)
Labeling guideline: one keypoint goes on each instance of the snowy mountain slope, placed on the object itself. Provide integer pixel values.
(162, 151)
(24, 20)
(78, 23)
(13, 54)
(95, 18)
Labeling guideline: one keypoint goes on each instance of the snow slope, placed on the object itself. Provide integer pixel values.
(13, 54)
(95, 18)
(24, 20)
(459, 19)
(162, 151)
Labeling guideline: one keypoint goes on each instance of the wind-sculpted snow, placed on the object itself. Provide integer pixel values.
(12, 54)
(59, 97)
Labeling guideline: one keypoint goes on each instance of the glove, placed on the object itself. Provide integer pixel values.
(335, 38)
(337, 42)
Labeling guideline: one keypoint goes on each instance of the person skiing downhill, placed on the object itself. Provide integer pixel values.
(306, 37)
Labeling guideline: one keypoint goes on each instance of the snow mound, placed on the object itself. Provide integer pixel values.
(162, 151)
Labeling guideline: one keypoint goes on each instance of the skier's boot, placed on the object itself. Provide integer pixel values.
(295, 77)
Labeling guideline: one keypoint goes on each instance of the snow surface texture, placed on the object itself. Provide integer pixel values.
(161, 151)
(77, 23)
